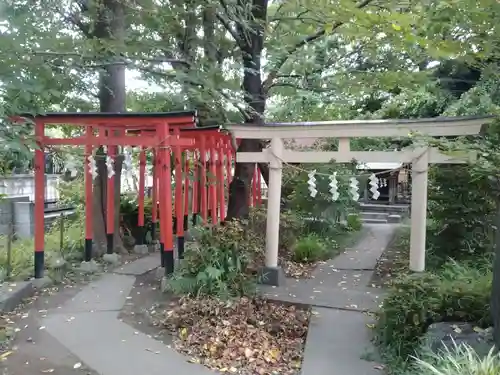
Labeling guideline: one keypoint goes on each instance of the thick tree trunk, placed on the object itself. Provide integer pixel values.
(110, 27)
(251, 42)
(495, 290)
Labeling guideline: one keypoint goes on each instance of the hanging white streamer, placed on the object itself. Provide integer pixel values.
(92, 165)
(110, 164)
(354, 188)
(334, 187)
(374, 186)
(312, 184)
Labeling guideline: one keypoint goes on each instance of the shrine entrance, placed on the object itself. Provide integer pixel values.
(419, 157)
(191, 174)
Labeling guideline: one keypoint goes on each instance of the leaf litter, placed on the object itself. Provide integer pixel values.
(243, 336)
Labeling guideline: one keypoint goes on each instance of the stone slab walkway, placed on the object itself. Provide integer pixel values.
(86, 327)
(340, 296)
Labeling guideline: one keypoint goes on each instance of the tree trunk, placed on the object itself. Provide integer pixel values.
(495, 289)
(251, 41)
(110, 27)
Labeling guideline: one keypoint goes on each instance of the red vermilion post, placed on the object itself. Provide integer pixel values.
(165, 176)
(203, 182)
(228, 152)
(169, 237)
(88, 196)
(196, 184)
(142, 184)
(259, 186)
(154, 196)
(254, 187)
(185, 213)
(220, 180)
(39, 261)
(213, 182)
(160, 190)
(110, 199)
(179, 212)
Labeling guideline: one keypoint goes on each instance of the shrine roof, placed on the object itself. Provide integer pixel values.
(381, 121)
(435, 126)
(78, 115)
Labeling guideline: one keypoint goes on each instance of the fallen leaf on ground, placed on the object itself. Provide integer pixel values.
(5, 355)
(247, 336)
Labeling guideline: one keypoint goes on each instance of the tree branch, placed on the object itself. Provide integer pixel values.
(311, 38)
(229, 29)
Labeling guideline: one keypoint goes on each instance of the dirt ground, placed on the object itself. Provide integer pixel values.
(394, 260)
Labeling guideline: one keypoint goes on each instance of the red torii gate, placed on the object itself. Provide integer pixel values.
(160, 132)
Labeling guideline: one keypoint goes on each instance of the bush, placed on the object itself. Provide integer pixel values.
(291, 226)
(220, 263)
(457, 293)
(458, 360)
(309, 249)
(462, 208)
(354, 222)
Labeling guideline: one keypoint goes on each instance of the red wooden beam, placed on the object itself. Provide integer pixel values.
(116, 141)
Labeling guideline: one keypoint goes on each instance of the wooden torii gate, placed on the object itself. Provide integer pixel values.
(420, 157)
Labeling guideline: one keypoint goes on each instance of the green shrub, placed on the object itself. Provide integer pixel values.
(460, 292)
(220, 263)
(462, 208)
(458, 360)
(310, 248)
(354, 222)
(291, 226)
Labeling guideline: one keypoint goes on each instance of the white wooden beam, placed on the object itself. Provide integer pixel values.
(367, 128)
(405, 156)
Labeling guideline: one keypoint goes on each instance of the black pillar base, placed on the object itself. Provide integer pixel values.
(39, 264)
(273, 276)
(185, 222)
(168, 260)
(180, 247)
(162, 250)
(153, 232)
(194, 220)
(174, 224)
(88, 250)
(110, 248)
(140, 236)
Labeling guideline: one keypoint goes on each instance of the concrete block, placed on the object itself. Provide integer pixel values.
(164, 284)
(394, 218)
(160, 273)
(141, 249)
(113, 259)
(44, 282)
(154, 247)
(89, 267)
(11, 294)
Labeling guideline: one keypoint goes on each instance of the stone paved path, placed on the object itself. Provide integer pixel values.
(340, 296)
(85, 327)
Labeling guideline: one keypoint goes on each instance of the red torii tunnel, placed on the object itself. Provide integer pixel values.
(208, 157)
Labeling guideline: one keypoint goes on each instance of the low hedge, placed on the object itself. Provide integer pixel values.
(458, 292)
